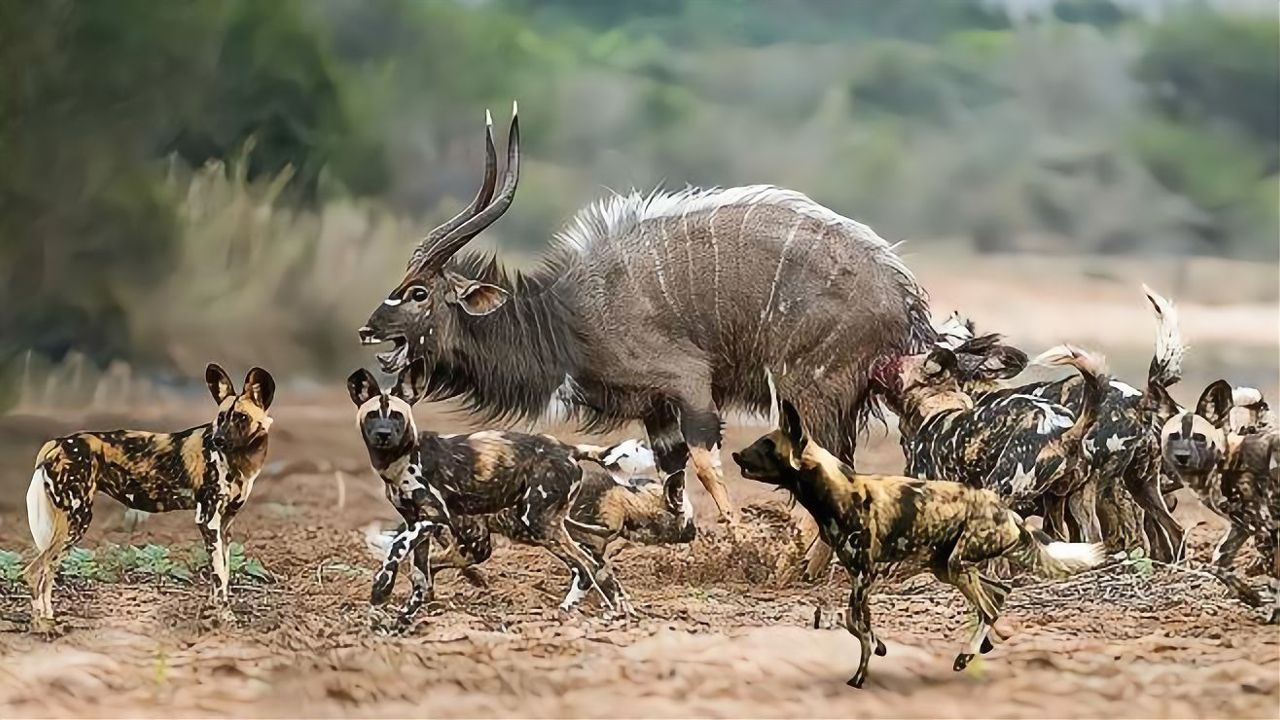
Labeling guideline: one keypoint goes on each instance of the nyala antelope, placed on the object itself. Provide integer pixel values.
(209, 468)
(700, 280)
(883, 526)
(1237, 476)
(624, 500)
(433, 480)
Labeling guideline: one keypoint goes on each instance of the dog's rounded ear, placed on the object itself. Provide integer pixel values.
(1215, 402)
(260, 387)
(219, 383)
(1161, 402)
(411, 385)
(362, 386)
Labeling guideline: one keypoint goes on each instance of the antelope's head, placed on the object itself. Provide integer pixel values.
(421, 316)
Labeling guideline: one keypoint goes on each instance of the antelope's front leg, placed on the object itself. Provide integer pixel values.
(400, 547)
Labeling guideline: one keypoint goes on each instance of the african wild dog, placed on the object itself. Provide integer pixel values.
(1022, 446)
(1236, 476)
(209, 469)
(434, 481)
(890, 527)
(1122, 448)
(626, 502)
(1250, 413)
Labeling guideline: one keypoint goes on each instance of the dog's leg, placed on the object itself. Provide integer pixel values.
(1164, 533)
(404, 543)
(422, 581)
(858, 622)
(1082, 504)
(1224, 553)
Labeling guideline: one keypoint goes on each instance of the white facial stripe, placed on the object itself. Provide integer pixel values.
(392, 302)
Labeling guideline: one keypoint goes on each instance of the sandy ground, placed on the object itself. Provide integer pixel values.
(721, 632)
(723, 629)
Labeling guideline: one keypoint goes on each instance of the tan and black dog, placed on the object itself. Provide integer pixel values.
(434, 480)
(1235, 475)
(1020, 446)
(209, 468)
(885, 526)
(624, 498)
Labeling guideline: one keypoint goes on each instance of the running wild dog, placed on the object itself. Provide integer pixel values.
(1235, 475)
(626, 503)
(209, 469)
(434, 481)
(894, 527)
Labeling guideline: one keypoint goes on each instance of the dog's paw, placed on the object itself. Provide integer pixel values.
(962, 662)
(383, 583)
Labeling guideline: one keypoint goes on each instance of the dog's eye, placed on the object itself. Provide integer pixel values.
(418, 294)
(240, 418)
(1198, 437)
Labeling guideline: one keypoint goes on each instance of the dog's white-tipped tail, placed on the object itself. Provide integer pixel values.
(1166, 364)
(377, 540)
(1088, 363)
(1245, 396)
(40, 510)
(1076, 557)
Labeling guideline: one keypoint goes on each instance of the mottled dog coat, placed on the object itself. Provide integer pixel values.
(209, 469)
(530, 481)
(1020, 446)
(621, 506)
(1121, 444)
(885, 526)
(1236, 476)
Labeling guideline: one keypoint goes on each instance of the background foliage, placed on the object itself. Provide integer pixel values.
(180, 178)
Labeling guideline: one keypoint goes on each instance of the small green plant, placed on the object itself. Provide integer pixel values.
(82, 564)
(10, 566)
(1139, 563)
(240, 564)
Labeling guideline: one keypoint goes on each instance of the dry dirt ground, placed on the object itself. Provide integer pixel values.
(721, 632)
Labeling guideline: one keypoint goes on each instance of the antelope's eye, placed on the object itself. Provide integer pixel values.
(418, 294)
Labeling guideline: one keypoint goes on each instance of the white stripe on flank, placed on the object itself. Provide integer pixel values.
(767, 310)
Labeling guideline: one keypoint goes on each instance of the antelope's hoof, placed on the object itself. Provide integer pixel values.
(881, 650)
(986, 646)
(45, 627)
(857, 679)
(962, 662)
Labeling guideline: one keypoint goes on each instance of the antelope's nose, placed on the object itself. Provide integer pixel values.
(367, 335)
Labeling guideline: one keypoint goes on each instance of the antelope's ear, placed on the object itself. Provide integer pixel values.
(362, 386)
(411, 385)
(1215, 402)
(474, 297)
(260, 387)
(219, 383)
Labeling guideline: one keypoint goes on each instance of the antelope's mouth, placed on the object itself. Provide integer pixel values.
(391, 361)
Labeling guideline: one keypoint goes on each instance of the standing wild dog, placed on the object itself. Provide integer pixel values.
(209, 468)
(625, 503)
(1236, 476)
(897, 527)
(1021, 446)
(435, 481)
(1122, 447)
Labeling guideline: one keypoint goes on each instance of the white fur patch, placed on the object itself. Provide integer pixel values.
(1080, 556)
(1243, 396)
(40, 510)
(1125, 389)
